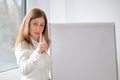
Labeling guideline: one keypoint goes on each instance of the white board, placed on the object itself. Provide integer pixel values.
(83, 51)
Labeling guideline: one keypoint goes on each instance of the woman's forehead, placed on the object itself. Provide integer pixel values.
(37, 20)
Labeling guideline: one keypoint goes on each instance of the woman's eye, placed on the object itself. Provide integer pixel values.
(42, 25)
(35, 24)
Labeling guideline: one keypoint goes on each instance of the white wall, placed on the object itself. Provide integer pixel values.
(90, 55)
(80, 11)
(57, 11)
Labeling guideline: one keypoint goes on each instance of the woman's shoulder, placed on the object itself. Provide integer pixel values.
(21, 45)
(24, 45)
(21, 49)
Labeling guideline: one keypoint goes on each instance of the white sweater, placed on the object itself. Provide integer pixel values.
(32, 65)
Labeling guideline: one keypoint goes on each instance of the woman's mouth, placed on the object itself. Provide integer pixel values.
(37, 33)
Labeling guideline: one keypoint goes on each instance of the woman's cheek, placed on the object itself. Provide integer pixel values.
(41, 30)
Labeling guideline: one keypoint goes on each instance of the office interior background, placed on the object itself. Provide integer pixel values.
(67, 11)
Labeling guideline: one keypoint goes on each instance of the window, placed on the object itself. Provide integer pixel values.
(9, 24)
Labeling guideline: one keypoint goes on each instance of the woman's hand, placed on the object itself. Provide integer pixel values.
(43, 46)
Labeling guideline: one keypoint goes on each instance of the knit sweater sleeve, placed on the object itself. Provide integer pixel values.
(26, 60)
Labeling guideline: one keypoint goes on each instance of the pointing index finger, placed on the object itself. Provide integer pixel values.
(40, 37)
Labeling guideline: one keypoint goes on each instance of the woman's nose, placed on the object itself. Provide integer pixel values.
(38, 28)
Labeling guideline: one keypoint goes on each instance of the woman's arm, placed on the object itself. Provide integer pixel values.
(26, 61)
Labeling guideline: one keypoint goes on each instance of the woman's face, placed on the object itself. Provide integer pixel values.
(36, 27)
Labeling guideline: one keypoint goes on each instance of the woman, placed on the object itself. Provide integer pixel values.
(31, 47)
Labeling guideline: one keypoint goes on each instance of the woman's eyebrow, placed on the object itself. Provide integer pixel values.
(35, 21)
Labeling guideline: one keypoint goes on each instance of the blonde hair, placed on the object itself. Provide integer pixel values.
(24, 34)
